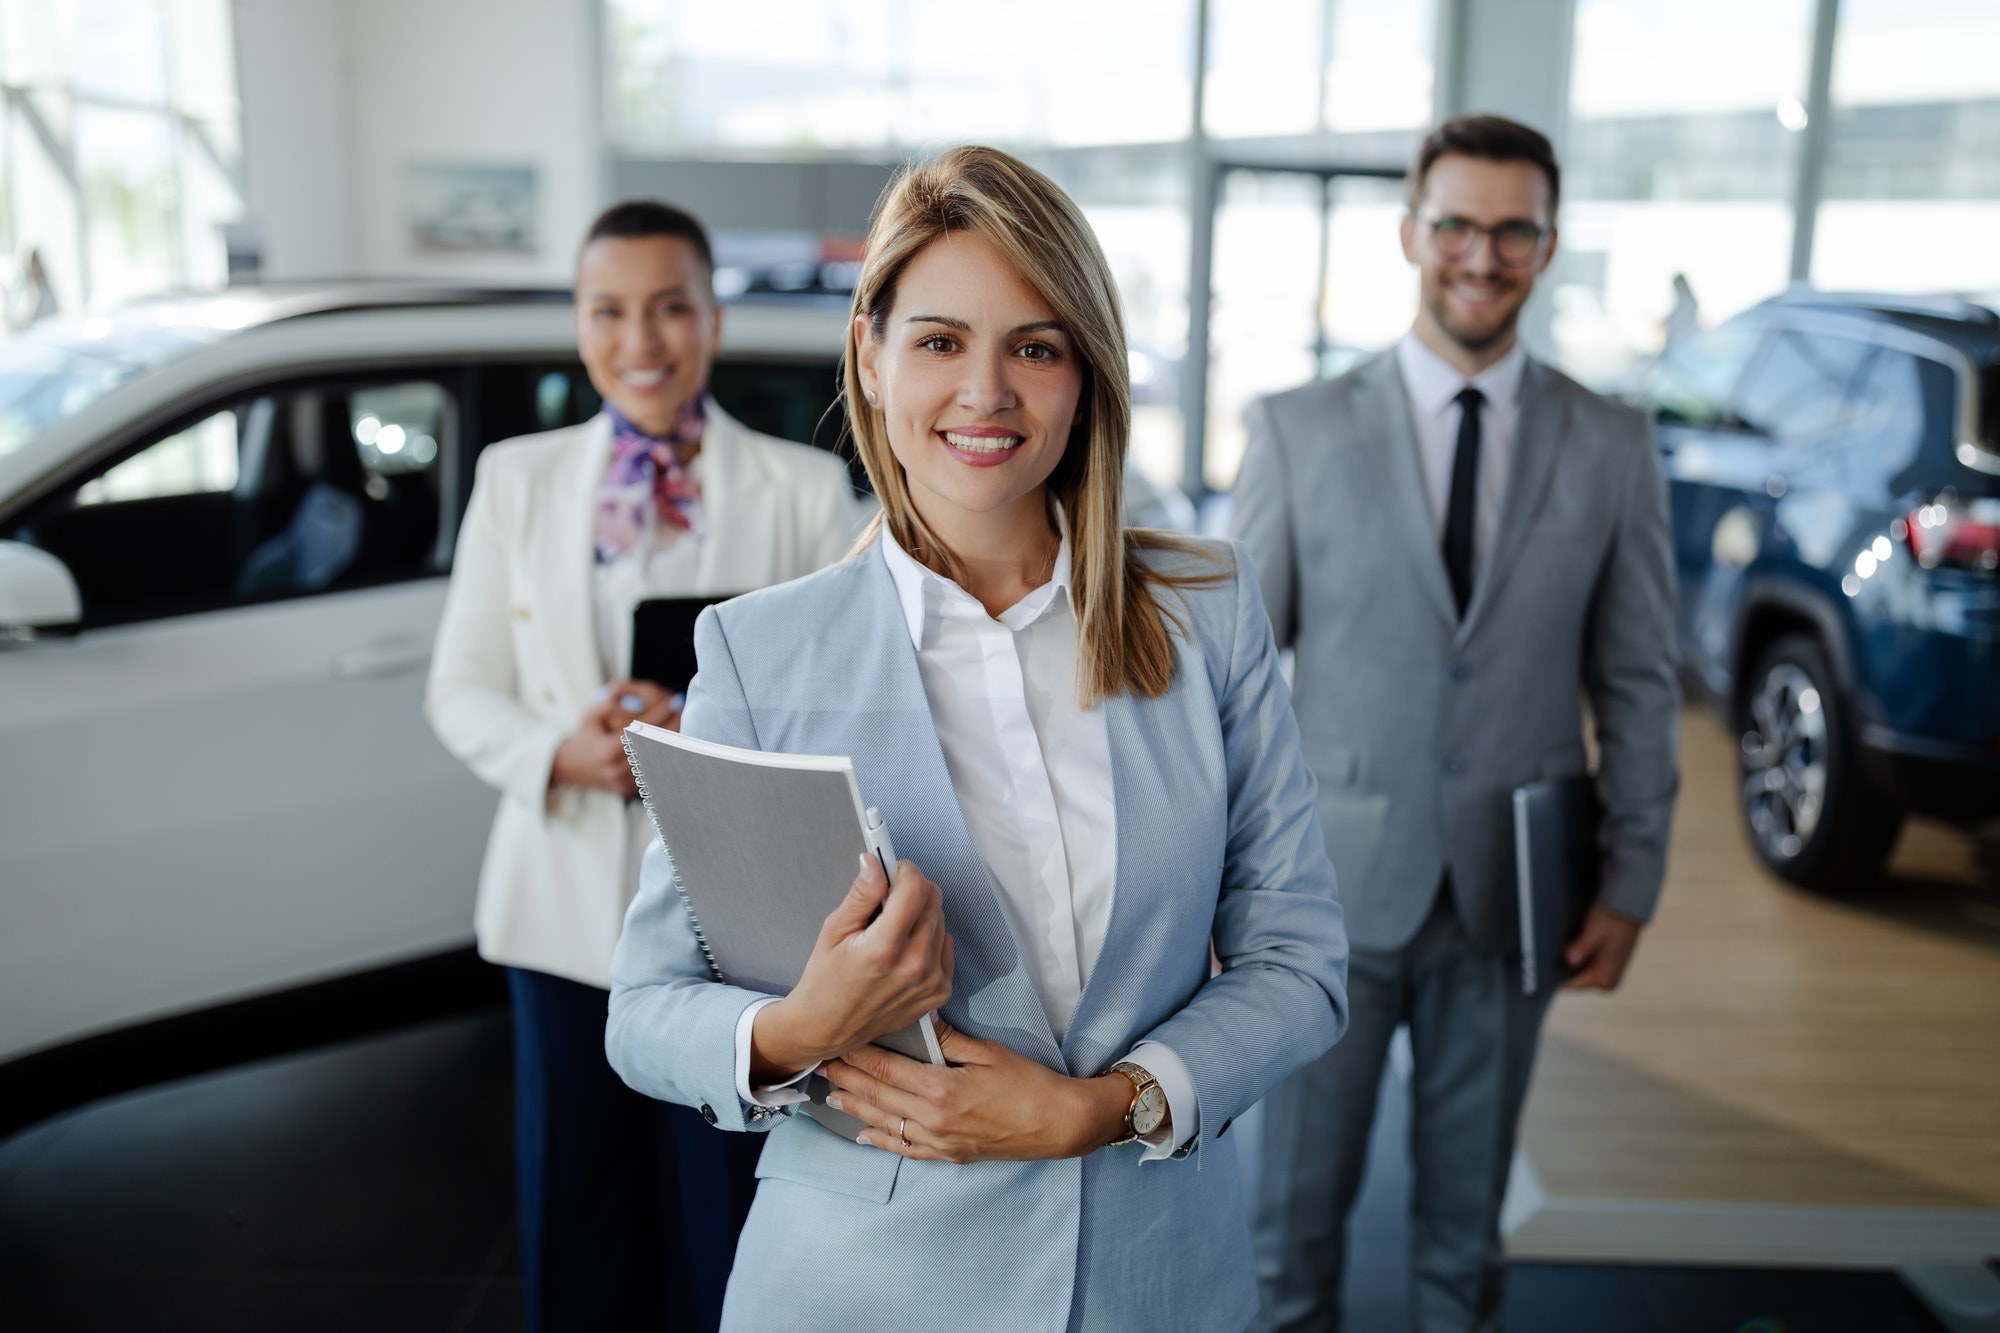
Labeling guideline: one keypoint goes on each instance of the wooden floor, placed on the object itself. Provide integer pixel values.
(1770, 1046)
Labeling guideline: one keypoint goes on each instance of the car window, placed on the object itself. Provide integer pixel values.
(296, 490)
(788, 397)
(1883, 429)
(195, 461)
(1989, 407)
(1796, 390)
(1692, 383)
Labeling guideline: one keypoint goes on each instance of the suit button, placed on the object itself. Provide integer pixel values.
(1460, 672)
(708, 1113)
(1454, 766)
(523, 613)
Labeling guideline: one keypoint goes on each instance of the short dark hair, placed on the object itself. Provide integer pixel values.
(1491, 138)
(634, 219)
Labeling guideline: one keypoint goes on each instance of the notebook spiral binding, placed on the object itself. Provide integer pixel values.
(639, 777)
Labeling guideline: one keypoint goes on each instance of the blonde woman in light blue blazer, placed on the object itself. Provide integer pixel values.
(1081, 740)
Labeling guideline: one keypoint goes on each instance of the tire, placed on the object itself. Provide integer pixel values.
(1811, 815)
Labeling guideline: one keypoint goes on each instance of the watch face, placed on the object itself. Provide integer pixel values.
(1149, 1111)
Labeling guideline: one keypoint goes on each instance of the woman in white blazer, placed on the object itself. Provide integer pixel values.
(1078, 734)
(661, 494)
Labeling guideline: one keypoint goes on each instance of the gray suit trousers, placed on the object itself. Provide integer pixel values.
(1473, 1036)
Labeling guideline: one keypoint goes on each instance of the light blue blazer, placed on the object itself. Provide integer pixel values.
(1218, 838)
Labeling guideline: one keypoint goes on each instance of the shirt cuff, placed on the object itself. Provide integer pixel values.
(787, 1093)
(1183, 1111)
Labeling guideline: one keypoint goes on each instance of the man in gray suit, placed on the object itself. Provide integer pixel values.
(1460, 545)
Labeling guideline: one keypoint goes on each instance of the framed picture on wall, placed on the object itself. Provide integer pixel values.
(463, 208)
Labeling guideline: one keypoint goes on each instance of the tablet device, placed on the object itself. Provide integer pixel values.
(663, 640)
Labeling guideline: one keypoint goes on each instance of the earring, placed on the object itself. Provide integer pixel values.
(869, 394)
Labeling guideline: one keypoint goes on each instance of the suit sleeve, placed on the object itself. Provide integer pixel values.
(471, 698)
(1260, 516)
(671, 1033)
(1281, 998)
(1634, 694)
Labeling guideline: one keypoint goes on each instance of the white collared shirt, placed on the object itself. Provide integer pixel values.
(1433, 385)
(1032, 772)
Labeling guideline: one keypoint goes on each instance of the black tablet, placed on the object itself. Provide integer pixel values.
(663, 640)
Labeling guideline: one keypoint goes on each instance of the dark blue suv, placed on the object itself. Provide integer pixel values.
(1834, 463)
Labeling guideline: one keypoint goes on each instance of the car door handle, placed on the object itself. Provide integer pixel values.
(391, 657)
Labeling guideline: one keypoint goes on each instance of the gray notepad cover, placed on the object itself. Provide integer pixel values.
(765, 846)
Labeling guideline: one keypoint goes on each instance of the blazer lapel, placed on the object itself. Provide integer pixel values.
(740, 547)
(1538, 444)
(991, 989)
(569, 606)
(1146, 758)
(1388, 437)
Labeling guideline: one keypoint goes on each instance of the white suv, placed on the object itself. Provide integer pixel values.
(225, 528)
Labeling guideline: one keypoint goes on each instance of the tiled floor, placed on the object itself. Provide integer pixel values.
(366, 1186)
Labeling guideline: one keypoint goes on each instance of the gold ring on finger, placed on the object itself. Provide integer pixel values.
(901, 1131)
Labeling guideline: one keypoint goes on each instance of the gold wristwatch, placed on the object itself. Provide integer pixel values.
(1149, 1103)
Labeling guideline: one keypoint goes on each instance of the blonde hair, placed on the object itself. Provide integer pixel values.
(1122, 623)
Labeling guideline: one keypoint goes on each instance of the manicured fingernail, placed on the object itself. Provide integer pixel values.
(833, 1100)
(864, 1140)
(864, 863)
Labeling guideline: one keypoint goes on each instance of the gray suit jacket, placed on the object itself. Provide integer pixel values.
(1217, 835)
(1419, 725)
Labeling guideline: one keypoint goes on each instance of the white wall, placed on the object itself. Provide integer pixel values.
(292, 75)
(341, 97)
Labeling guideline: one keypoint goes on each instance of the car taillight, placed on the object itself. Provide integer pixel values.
(1960, 534)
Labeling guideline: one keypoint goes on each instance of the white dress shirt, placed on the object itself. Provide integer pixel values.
(665, 564)
(1434, 385)
(1032, 772)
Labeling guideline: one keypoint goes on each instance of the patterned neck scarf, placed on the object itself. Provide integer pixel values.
(647, 489)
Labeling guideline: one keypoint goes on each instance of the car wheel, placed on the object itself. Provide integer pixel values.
(1811, 816)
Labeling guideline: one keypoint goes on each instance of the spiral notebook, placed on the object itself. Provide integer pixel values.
(763, 845)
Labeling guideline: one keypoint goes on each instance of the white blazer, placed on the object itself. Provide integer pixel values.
(516, 660)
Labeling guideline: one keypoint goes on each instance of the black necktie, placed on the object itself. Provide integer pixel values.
(1460, 509)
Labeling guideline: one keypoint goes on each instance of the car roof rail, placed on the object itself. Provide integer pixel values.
(1890, 303)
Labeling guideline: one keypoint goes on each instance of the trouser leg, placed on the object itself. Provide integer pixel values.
(1314, 1151)
(1472, 1034)
(586, 1158)
(715, 1177)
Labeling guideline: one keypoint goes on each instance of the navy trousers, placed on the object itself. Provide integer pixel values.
(629, 1208)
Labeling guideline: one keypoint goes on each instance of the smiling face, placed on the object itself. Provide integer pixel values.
(977, 385)
(647, 325)
(1471, 303)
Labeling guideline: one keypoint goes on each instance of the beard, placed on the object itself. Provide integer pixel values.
(1473, 338)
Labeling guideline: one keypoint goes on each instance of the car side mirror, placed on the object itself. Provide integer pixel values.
(38, 594)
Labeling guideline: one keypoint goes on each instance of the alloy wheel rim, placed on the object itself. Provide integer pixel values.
(1784, 761)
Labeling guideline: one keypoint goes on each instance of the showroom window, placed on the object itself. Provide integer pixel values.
(1107, 111)
(1911, 191)
(794, 76)
(293, 491)
(119, 154)
(1681, 160)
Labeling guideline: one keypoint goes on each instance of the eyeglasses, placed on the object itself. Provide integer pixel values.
(1514, 241)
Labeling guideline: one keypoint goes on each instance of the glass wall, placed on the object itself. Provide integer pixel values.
(1106, 110)
(1911, 195)
(1321, 82)
(118, 150)
(1681, 159)
(796, 76)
